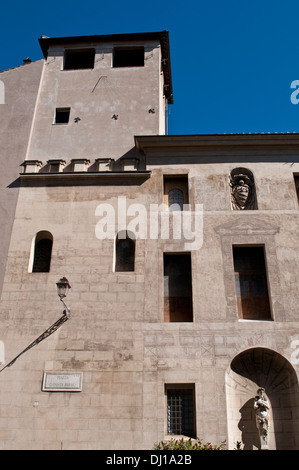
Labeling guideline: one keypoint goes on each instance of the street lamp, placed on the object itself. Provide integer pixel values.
(63, 286)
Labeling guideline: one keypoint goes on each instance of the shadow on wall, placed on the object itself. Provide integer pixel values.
(250, 370)
(247, 426)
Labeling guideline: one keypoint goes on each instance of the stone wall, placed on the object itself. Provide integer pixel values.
(116, 334)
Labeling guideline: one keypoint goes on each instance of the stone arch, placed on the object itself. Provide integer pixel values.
(41, 252)
(249, 370)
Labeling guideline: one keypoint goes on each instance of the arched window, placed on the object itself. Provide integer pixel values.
(176, 192)
(176, 199)
(124, 252)
(41, 253)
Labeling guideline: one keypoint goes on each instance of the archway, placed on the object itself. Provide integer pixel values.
(249, 370)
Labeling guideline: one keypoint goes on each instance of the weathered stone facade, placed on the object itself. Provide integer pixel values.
(117, 336)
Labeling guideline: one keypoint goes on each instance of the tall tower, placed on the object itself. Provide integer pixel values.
(97, 92)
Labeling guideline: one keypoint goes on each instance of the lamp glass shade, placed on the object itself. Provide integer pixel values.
(63, 287)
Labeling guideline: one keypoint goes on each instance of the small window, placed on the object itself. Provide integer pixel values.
(176, 199)
(296, 180)
(79, 59)
(42, 252)
(62, 115)
(128, 57)
(124, 252)
(251, 283)
(180, 410)
(176, 192)
(177, 288)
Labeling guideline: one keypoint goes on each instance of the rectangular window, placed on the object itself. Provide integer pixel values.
(180, 410)
(128, 57)
(176, 192)
(296, 180)
(76, 59)
(177, 288)
(251, 283)
(62, 115)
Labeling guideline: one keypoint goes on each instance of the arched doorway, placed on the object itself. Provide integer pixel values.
(249, 370)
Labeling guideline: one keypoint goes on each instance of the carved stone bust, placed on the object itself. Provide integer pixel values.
(243, 195)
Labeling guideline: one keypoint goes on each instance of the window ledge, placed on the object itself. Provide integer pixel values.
(248, 320)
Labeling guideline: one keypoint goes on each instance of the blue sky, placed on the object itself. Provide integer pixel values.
(232, 61)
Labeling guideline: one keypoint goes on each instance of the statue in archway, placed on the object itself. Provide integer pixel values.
(261, 407)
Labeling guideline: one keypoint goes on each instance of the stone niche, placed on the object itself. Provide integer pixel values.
(249, 371)
(243, 193)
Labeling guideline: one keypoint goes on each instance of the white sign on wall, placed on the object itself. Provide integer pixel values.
(62, 382)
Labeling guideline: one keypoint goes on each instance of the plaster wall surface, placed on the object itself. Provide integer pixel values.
(113, 104)
(20, 88)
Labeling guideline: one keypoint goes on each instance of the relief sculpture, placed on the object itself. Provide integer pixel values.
(243, 196)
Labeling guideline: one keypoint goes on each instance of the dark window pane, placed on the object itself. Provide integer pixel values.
(259, 288)
(180, 412)
(178, 288)
(42, 256)
(62, 115)
(176, 196)
(125, 255)
(251, 283)
(131, 57)
(79, 59)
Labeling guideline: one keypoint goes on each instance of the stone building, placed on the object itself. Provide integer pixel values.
(181, 252)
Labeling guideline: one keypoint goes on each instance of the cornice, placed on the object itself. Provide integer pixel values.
(188, 144)
(83, 178)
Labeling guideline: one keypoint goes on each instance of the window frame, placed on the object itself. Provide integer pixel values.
(39, 236)
(62, 110)
(129, 64)
(69, 52)
(122, 236)
(177, 316)
(248, 271)
(180, 387)
(176, 182)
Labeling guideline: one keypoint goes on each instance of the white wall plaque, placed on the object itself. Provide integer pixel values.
(62, 382)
